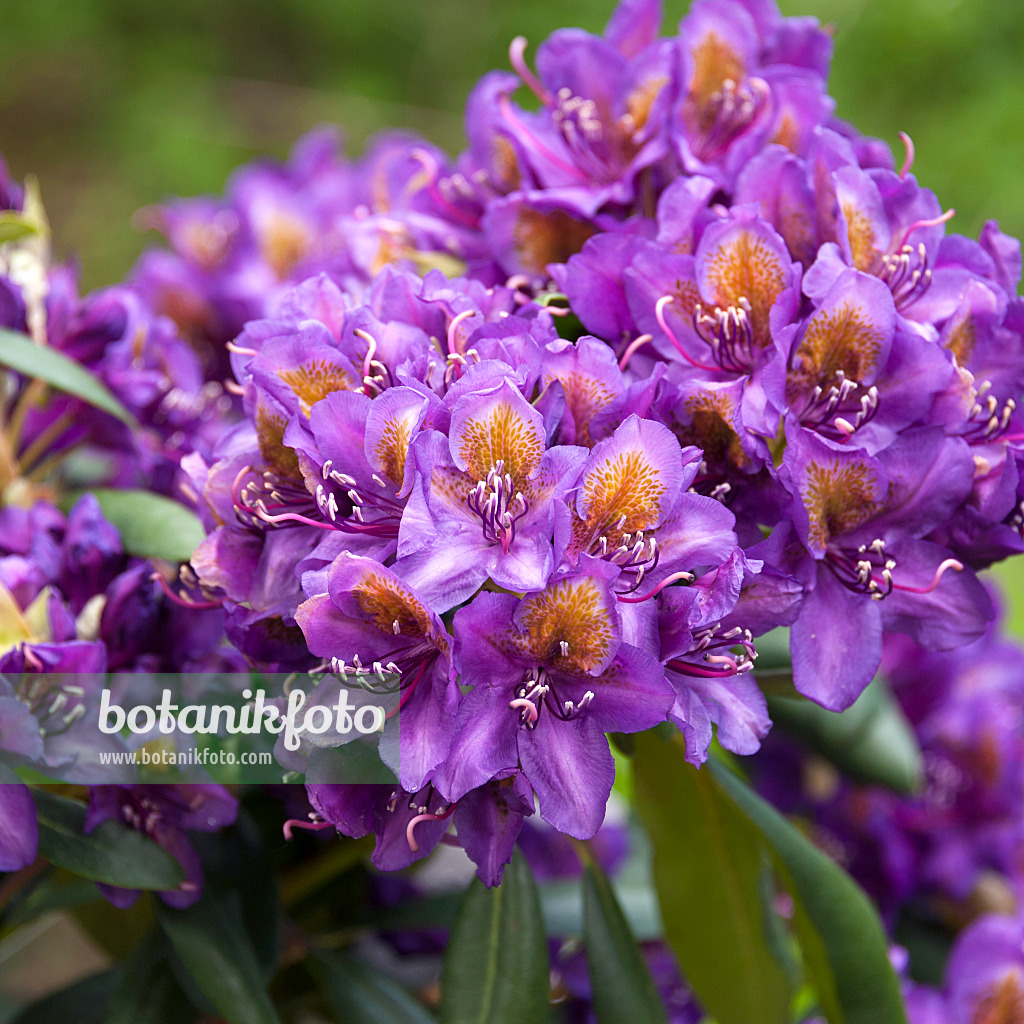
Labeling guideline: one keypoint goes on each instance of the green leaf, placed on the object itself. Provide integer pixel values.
(19, 352)
(148, 993)
(237, 859)
(85, 1002)
(113, 853)
(708, 865)
(870, 741)
(152, 526)
(496, 965)
(843, 942)
(361, 994)
(211, 942)
(55, 889)
(619, 979)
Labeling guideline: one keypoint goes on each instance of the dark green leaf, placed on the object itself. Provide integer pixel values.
(563, 914)
(256, 881)
(113, 853)
(85, 1002)
(19, 352)
(151, 525)
(148, 993)
(496, 965)
(707, 871)
(361, 994)
(843, 943)
(620, 982)
(55, 889)
(870, 741)
(211, 942)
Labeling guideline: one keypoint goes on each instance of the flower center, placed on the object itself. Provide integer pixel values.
(498, 505)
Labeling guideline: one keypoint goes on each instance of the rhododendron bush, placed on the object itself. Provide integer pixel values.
(512, 497)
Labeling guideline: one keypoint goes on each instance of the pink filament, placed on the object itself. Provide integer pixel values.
(411, 827)
(290, 517)
(465, 314)
(312, 826)
(371, 350)
(429, 164)
(631, 349)
(659, 315)
(505, 105)
(949, 563)
(522, 704)
(930, 223)
(908, 144)
(178, 599)
(676, 576)
(516, 52)
(408, 693)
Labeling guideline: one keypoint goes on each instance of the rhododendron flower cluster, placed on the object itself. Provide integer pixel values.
(529, 448)
(713, 365)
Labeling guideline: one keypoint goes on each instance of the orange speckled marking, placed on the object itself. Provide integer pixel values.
(795, 226)
(961, 338)
(284, 240)
(394, 246)
(573, 611)
(746, 268)
(315, 380)
(838, 498)
(270, 434)
(543, 238)
(787, 133)
(1004, 1003)
(840, 340)
(387, 602)
(503, 433)
(392, 449)
(686, 296)
(710, 428)
(507, 175)
(714, 61)
(863, 247)
(624, 485)
(640, 101)
(585, 397)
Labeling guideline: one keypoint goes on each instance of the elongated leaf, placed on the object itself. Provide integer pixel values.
(55, 889)
(21, 353)
(85, 1002)
(707, 872)
(871, 741)
(361, 994)
(152, 526)
(211, 942)
(842, 939)
(113, 853)
(496, 965)
(619, 979)
(148, 993)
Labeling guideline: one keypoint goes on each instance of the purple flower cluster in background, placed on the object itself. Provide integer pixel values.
(958, 845)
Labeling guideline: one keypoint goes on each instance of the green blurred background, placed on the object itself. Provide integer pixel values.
(116, 104)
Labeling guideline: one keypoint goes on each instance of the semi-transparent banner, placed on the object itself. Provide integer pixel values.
(92, 728)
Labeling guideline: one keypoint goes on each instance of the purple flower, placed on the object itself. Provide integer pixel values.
(166, 814)
(371, 625)
(550, 674)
